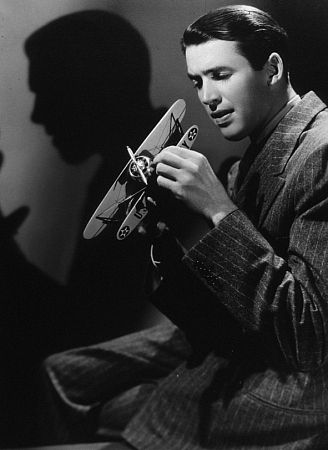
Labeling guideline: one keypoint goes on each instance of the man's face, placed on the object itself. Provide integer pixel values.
(235, 96)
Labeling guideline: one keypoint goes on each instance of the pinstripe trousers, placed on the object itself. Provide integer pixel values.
(91, 393)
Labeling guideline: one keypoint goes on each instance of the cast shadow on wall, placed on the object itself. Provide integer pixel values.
(90, 73)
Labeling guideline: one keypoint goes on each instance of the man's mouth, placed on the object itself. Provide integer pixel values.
(221, 117)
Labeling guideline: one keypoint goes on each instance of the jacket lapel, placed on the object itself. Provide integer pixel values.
(266, 176)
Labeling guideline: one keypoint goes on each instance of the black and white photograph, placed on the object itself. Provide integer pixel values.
(163, 225)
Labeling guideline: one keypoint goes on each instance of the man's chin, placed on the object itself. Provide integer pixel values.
(231, 135)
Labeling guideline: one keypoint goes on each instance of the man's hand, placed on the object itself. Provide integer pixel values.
(190, 178)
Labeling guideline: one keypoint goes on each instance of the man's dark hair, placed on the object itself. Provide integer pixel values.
(256, 33)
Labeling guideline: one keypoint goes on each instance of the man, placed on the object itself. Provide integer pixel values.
(251, 296)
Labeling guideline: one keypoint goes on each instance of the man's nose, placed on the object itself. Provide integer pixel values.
(210, 96)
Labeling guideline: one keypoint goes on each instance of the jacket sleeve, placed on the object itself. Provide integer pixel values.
(282, 300)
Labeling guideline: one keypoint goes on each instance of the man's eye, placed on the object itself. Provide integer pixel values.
(221, 76)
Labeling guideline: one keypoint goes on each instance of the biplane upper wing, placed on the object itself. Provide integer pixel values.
(116, 203)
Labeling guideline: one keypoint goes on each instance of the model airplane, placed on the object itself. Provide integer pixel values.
(125, 204)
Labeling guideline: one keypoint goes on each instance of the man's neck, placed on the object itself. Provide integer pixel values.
(278, 106)
(290, 94)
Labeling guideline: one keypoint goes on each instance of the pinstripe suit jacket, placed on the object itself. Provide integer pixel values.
(259, 373)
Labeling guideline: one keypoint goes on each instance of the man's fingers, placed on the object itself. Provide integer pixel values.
(167, 171)
(181, 151)
(166, 183)
(170, 157)
(170, 153)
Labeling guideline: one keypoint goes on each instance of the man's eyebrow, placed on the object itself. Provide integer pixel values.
(216, 69)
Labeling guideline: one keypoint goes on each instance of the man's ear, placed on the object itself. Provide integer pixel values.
(274, 68)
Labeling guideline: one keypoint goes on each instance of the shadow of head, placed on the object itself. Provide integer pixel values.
(90, 73)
